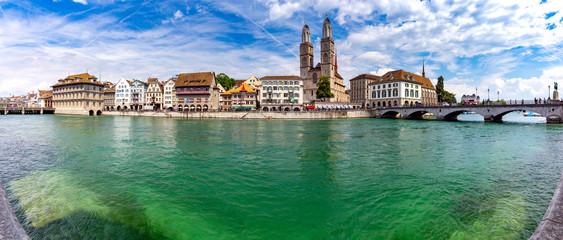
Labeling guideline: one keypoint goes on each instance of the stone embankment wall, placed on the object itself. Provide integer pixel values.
(551, 225)
(249, 115)
(10, 227)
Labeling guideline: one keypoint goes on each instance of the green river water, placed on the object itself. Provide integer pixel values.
(74, 177)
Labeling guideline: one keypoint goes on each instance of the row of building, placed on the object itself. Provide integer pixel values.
(40, 99)
(84, 93)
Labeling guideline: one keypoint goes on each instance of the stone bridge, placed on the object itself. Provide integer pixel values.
(553, 112)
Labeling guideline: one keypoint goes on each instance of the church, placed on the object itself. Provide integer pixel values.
(327, 67)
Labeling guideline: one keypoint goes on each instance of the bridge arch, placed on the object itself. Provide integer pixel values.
(417, 115)
(390, 114)
(498, 117)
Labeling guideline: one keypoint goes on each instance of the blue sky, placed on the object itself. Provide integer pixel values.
(513, 47)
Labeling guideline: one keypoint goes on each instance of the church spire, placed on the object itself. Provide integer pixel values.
(336, 60)
(423, 73)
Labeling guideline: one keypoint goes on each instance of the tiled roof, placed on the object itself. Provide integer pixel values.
(78, 78)
(280, 78)
(45, 94)
(195, 79)
(338, 75)
(365, 76)
(402, 75)
(243, 88)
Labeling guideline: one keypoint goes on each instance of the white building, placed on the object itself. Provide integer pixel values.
(281, 93)
(123, 94)
(390, 92)
(169, 95)
(138, 91)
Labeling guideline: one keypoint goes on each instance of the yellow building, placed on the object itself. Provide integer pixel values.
(243, 97)
(80, 94)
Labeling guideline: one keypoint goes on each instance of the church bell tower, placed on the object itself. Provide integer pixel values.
(327, 50)
(306, 52)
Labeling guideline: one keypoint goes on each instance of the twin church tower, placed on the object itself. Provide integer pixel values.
(327, 67)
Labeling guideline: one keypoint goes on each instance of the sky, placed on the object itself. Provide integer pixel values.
(511, 49)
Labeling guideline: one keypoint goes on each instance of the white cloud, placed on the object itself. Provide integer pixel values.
(81, 1)
(375, 57)
(178, 14)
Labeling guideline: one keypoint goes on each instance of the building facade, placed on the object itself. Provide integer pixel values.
(169, 94)
(241, 98)
(281, 93)
(79, 94)
(359, 91)
(471, 99)
(407, 89)
(109, 96)
(45, 98)
(390, 92)
(138, 93)
(327, 67)
(197, 92)
(123, 94)
(154, 95)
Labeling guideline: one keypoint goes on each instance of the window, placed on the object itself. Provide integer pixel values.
(416, 94)
(275, 88)
(383, 94)
(412, 93)
(383, 86)
(378, 94)
(406, 93)
(373, 95)
(314, 77)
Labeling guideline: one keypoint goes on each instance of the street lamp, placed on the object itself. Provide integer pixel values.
(548, 91)
(488, 97)
(498, 96)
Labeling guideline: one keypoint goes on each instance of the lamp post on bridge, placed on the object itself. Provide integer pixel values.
(488, 97)
(498, 96)
(548, 91)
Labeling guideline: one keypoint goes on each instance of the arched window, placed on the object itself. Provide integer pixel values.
(325, 58)
(412, 93)
(314, 78)
(384, 94)
(416, 94)
(406, 93)
(303, 61)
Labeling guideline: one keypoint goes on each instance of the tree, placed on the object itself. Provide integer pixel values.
(323, 90)
(443, 95)
(225, 81)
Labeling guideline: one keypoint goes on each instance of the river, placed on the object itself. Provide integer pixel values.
(76, 177)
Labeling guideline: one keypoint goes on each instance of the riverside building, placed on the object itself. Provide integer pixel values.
(154, 94)
(79, 94)
(327, 67)
(123, 94)
(281, 93)
(240, 98)
(359, 92)
(138, 92)
(197, 92)
(401, 89)
(109, 96)
(169, 94)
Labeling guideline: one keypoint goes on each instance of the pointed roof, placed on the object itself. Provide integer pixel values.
(244, 88)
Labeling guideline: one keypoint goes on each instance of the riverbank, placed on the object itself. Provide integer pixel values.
(10, 227)
(249, 115)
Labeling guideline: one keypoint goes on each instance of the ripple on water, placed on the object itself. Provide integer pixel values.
(138, 178)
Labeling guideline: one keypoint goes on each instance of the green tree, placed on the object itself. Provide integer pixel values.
(443, 95)
(323, 90)
(225, 81)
